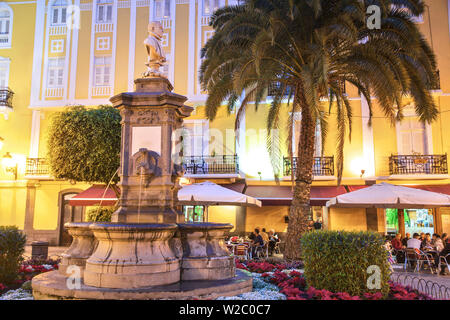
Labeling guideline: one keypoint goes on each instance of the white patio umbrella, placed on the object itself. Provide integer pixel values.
(211, 194)
(385, 195)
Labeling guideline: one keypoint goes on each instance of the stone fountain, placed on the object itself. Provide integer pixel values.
(147, 251)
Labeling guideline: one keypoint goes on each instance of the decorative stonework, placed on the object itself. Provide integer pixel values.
(205, 255)
(83, 244)
(148, 178)
(132, 256)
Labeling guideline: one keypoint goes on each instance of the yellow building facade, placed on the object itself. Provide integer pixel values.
(58, 53)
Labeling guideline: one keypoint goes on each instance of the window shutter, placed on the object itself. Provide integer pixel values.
(63, 15)
(158, 9)
(51, 77)
(167, 9)
(100, 13)
(109, 13)
(60, 76)
(206, 7)
(55, 16)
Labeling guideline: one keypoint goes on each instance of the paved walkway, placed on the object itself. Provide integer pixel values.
(52, 251)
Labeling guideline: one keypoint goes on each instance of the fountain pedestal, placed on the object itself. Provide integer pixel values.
(83, 244)
(147, 251)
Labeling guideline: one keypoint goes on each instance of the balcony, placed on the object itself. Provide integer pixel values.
(322, 167)
(37, 168)
(225, 166)
(418, 165)
(6, 96)
(436, 85)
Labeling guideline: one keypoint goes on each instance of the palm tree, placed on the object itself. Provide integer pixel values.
(310, 48)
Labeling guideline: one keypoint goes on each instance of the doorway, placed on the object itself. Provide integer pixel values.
(68, 213)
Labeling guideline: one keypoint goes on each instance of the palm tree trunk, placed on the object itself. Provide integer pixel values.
(300, 208)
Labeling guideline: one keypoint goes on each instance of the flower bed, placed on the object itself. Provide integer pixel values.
(292, 284)
(26, 272)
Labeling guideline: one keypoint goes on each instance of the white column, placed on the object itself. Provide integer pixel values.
(35, 133)
(74, 57)
(37, 51)
(191, 48)
(132, 45)
(368, 146)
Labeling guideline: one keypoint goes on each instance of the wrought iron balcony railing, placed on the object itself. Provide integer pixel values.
(436, 85)
(226, 164)
(6, 96)
(322, 166)
(37, 167)
(418, 164)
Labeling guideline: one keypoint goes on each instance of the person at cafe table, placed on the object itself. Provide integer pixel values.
(257, 242)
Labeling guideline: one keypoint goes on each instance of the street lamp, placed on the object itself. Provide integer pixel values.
(10, 164)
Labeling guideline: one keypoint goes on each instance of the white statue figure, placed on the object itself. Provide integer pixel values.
(155, 52)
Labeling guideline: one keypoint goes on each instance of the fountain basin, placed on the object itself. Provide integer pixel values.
(132, 256)
(205, 255)
(52, 285)
(83, 244)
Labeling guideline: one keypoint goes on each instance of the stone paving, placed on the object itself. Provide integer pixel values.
(426, 275)
(52, 251)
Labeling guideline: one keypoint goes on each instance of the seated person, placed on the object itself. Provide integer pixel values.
(397, 242)
(273, 239)
(437, 242)
(443, 253)
(257, 242)
(426, 243)
(264, 235)
(405, 240)
(414, 242)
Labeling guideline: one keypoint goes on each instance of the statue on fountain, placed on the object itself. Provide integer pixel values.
(156, 57)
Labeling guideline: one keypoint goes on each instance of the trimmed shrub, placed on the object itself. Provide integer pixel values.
(12, 247)
(100, 214)
(338, 261)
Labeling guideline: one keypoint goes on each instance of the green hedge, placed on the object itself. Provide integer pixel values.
(100, 214)
(12, 247)
(338, 261)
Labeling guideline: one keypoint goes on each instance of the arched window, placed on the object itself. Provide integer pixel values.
(58, 12)
(209, 6)
(6, 14)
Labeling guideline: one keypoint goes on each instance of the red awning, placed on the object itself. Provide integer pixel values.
(95, 195)
(356, 188)
(282, 195)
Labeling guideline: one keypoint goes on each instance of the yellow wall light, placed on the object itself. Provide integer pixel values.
(1, 143)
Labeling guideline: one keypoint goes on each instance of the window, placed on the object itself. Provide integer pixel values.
(4, 72)
(59, 12)
(5, 26)
(317, 139)
(412, 135)
(104, 11)
(208, 35)
(55, 76)
(57, 46)
(102, 71)
(195, 139)
(194, 213)
(103, 43)
(209, 6)
(162, 9)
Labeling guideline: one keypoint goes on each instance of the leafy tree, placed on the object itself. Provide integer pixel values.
(310, 48)
(84, 144)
